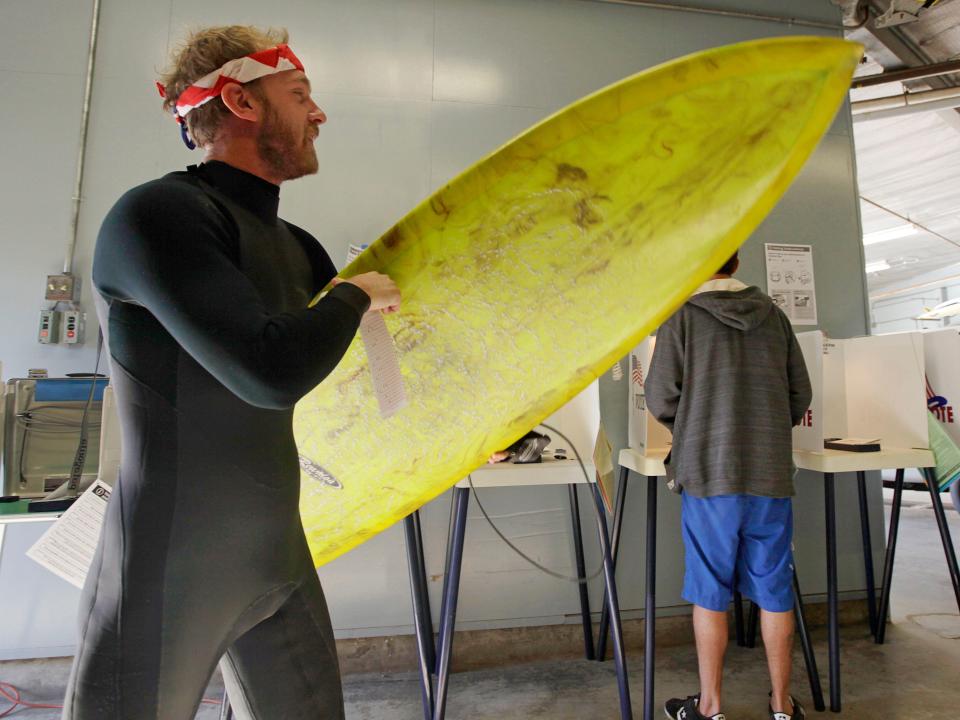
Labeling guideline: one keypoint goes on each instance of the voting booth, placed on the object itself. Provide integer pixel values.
(867, 387)
(942, 362)
(644, 432)
(579, 420)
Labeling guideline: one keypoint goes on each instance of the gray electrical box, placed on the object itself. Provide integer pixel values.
(49, 330)
(71, 328)
(62, 288)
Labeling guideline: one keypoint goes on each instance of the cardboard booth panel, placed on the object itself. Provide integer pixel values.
(579, 420)
(834, 392)
(808, 435)
(884, 376)
(644, 432)
(869, 387)
(942, 361)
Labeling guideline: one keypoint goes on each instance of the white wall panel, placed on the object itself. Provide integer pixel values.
(41, 37)
(464, 132)
(361, 47)
(374, 158)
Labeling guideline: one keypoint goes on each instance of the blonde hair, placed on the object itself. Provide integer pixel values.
(201, 53)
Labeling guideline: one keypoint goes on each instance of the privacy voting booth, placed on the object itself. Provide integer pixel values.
(867, 387)
(942, 363)
(644, 432)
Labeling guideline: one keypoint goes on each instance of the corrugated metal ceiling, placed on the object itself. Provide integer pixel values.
(909, 166)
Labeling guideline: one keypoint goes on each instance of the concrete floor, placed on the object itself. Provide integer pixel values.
(915, 675)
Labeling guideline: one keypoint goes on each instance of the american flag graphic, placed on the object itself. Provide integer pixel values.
(636, 371)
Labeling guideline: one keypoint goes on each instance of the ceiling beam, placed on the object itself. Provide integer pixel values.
(912, 73)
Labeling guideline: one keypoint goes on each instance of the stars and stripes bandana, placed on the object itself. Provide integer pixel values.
(241, 70)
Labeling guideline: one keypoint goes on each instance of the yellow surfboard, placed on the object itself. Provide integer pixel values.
(535, 270)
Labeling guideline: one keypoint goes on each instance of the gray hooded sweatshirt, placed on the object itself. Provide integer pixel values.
(728, 379)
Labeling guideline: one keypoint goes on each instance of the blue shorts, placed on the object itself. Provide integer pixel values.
(742, 542)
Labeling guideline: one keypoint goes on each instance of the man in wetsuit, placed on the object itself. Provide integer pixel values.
(203, 297)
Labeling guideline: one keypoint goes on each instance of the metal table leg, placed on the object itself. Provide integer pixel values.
(867, 551)
(424, 593)
(609, 577)
(832, 607)
(226, 712)
(884, 609)
(945, 538)
(421, 610)
(813, 675)
(451, 589)
(738, 619)
(581, 573)
(650, 603)
(618, 506)
(753, 620)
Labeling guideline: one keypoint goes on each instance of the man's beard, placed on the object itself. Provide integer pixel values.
(288, 154)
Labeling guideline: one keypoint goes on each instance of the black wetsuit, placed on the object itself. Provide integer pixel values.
(203, 293)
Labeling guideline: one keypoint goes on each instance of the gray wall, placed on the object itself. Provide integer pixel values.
(416, 90)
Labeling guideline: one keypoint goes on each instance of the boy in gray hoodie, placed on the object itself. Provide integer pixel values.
(728, 379)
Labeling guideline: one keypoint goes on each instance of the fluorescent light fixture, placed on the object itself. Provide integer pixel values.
(894, 233)
(877, 266)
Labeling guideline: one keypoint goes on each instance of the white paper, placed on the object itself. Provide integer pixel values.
(790, 281)
(67, 548)
(384, 364)
(354, 251)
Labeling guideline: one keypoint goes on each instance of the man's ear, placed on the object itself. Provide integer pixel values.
(240, 102)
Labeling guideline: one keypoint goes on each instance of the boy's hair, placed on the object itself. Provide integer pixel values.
(730, 266)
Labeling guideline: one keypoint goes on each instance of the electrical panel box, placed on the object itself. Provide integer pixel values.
(71, 331)
(49, 331)
(62, 288)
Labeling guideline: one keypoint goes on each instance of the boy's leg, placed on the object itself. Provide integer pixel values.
(710, 629)
(777, 629)
(765, 574)
(711, 528)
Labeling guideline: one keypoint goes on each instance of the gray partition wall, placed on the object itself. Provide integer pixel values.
(415, 91)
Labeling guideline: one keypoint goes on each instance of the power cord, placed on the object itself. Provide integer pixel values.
(80, 459)
(518, 551)
(12, 694)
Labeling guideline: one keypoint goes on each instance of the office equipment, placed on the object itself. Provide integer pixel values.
(41, 432)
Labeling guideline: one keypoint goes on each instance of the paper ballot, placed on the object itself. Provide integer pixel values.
(384, 364)
(67, 548)
(382, 355)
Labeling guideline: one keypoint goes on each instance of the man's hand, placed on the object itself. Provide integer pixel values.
(383, 292)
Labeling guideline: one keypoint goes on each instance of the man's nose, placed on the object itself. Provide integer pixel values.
(318, 116)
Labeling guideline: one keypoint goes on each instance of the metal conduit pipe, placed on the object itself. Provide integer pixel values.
(905, 104)
(741, 14)
(82, 152)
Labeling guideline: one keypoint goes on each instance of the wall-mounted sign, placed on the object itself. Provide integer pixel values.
(790, 281)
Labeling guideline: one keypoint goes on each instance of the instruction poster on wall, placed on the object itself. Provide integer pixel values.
(790, 281)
